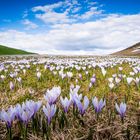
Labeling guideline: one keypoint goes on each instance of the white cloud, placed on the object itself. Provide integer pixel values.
(67, 12)
(47, 8)
(53, 17)
(109, 34)
(92, 12)
(29, 24)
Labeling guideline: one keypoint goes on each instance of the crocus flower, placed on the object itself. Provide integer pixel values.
(27, 66)
(23, 113)
(45, 67)
(120, 76)
(114, 75)
(49, 111)
(76, 80)
(8, 116)
(65, 103)
(137, 81)
(11, 85)
(63, 75)
(111, 85)
(86, 72)
(98, 105)
(26, 115)
(121, 109)
(135, 70)
(24, 71)
(103, 71)
(74, 90)
(19, 79)
(52, 95)
(82, 107)
(69, 74)
(84, 68)
(80, 75)
(12, 75)
(2, 77)
(72, 86)
(132, 73)
(33, 106)
(120, 68)
(74, 96)
(129, 80)
(54, 72)
(18, 110)
(90, 85)
(110, 80)
(38, 75)
(93, 80)
(117, 80)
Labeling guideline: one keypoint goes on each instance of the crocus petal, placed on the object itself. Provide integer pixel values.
(86, 102)
(122, 108)
(117, 107)
(95, 102)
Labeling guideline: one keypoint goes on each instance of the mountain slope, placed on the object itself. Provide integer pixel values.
(131, 51)
(11, 51)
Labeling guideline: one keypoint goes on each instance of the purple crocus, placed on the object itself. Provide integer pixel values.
(74, 89)
(82, 107)
(65, 103)
(11, 85)
(52, 95)
(18, 110)
(24, 113)
(80, 76)
(121, 109)
(33, 106)
(8, 116)
(49, 111)
(74, 96)
(98, 105)
(93, 80)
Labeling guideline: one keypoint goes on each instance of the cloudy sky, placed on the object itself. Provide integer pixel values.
(70, 26)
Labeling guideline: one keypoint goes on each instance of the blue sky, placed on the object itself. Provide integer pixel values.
(69, 26)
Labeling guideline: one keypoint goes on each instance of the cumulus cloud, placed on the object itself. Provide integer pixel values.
(67, 11)
(103, 36)
(29, 24)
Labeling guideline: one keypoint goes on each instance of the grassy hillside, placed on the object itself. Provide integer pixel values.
(131, 51)
(11, 51)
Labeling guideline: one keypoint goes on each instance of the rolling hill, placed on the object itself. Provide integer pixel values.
(130, 51)
(12, 51)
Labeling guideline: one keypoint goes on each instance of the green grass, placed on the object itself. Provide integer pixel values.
(11, 51)
(108, 125)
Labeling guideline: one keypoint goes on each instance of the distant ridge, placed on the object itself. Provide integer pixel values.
(12, 51)
(130, 51)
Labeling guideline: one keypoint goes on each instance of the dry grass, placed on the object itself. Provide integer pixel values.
(108, 127)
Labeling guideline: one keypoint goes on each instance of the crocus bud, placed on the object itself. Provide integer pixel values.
(11, 85)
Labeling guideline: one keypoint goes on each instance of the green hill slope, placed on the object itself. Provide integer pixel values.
(11, 51)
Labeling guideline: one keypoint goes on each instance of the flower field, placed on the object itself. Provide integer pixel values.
(69, 98)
